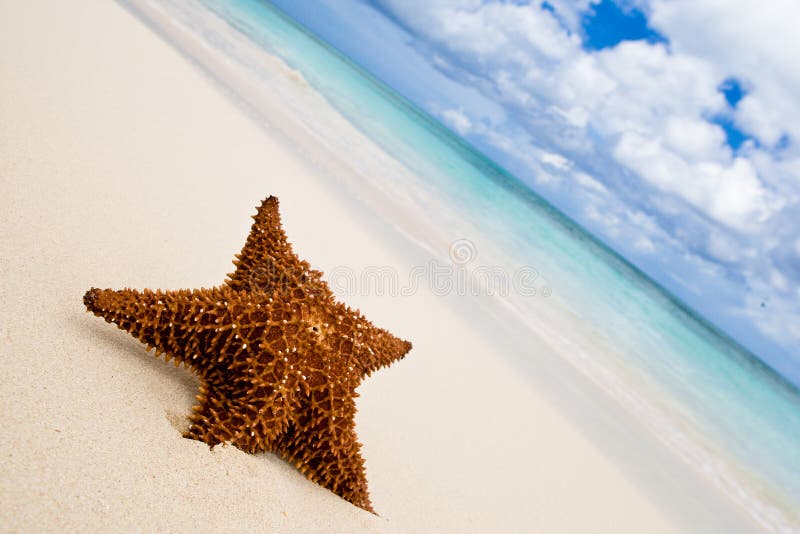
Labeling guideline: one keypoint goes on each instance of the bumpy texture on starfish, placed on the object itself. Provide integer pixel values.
(279, 359)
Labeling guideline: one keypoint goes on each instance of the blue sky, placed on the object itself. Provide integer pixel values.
(667, 128)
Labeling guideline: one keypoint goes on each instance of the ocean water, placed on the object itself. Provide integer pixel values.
(706, 398)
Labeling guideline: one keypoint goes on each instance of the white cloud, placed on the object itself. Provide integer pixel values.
(762, 120)
(555, 160)
(653, 86)
(754, 41)
(778, 280)
(458, 120)
(732, 194)
(609, 222)
(545, 178)
(723, 247)
(590, 183)
(694, 139)
(645, 245)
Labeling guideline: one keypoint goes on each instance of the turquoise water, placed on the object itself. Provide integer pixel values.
(717, 405)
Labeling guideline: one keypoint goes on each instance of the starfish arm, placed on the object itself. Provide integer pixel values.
(156, 318)
(267, 262)
(183, 325)
(381, 349)
(373, 347)
(365, 346)
(250, 418)
(323, 445)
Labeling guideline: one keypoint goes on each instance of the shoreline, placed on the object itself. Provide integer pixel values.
(112, 177)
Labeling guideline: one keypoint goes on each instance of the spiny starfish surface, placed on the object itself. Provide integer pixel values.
(279, 359)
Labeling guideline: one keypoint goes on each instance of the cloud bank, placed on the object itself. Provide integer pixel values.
(679, 148)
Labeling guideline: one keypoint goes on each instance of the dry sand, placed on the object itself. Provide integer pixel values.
(122, 165)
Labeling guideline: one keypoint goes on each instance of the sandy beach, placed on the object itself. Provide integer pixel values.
(123, 165)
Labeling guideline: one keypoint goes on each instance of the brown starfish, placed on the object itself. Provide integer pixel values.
(279, 359)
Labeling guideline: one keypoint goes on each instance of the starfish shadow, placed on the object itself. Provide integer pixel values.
(123, 344)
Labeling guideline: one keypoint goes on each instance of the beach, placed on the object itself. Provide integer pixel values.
(123, 165)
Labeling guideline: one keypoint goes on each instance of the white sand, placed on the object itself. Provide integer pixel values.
(122, 165)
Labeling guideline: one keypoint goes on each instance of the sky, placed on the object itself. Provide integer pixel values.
(670, 129)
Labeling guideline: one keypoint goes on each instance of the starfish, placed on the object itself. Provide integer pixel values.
(279, 359)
